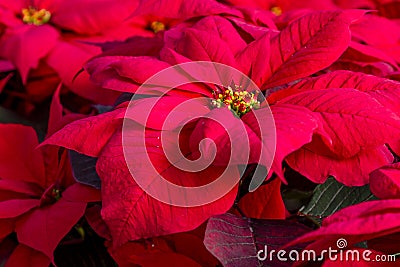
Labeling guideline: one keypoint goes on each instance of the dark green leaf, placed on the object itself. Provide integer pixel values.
(84, 169)
(332, 196)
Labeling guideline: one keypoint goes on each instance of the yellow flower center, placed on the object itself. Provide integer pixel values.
(36, 17)
(276, 10)
(157, 26)
(56, 194)
(236, 99)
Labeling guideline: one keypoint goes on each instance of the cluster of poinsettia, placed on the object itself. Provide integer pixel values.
(327, 70)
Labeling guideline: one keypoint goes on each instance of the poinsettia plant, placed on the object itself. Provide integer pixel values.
(285, 114)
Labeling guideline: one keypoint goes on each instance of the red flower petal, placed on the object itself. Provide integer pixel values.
(6, 66)
(162, 107)
(200, 45)
(16, 6)
(87, 16)
(15, 207)
(353, 171)
(26, 256)
(191, 245)
(4, 81)
(183, 9)
(124, 73)
(387, 244)
(264, 203)
(364, 53)
(287, 5)
(154, 254)
(232, 138)
(67, 59)
(81, 193)
(349, 126)
(317, 39)
(97, 223)
(376, 30)
(6, 227)
(44, 228)
(88, 135)
(224, 29)
(22, 161)
(26, 57)
(260, 48)
(261, 4)
(386, 91)
(21, 187)
(131, 213)
(385, 181)
(295, 127)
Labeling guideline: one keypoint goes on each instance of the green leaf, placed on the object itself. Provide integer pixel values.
(295, 199)
(332, 196)
(84, 169)
(7, 116)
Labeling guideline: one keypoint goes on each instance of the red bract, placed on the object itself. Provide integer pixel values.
(372, 51)
(39, 200)
(264, 203)
(385, 181)
(289, 6)
(3, 82)
(252, 4)
(183, 249)
(350, 153)
(182, 10)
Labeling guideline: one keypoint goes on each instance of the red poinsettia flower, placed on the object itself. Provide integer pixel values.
(40, 200)
(119, 206)
(51, 35)
(155, 16)
(351, 158)
(123, 199)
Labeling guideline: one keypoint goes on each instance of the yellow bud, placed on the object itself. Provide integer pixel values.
(276, 10)
(35, 17)
(157, 26)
